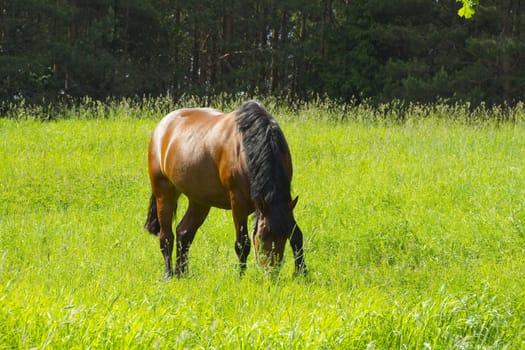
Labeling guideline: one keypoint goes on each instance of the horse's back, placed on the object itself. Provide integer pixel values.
(189, 148)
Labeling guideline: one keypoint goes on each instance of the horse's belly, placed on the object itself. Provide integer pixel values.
(204, 193)
(200, 182)
(211, 200)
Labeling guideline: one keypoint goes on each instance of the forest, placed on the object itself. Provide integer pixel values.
(346, 50)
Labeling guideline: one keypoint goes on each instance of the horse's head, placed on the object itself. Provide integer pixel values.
(273, 226)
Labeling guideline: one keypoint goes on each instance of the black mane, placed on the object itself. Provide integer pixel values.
(264, 146)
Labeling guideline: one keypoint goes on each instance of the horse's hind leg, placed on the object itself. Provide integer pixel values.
(190, 223)
(167, 197)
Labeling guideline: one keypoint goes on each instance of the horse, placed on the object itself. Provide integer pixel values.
(239, 161)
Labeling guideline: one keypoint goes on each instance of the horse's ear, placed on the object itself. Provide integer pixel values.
(293, 203)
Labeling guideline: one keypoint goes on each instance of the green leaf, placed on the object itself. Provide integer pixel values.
(467, 10)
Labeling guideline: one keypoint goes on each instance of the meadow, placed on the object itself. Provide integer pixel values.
(414, 224)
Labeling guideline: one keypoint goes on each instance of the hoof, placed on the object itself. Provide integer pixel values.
(300, 271)
(168, 275)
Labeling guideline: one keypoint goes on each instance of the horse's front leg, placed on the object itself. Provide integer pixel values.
(242, 241)
(241, 208)
(242, 246)
(296, 241)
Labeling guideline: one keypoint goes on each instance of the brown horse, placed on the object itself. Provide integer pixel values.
(238, 161)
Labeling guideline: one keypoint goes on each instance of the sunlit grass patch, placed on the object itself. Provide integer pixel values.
(414, 237)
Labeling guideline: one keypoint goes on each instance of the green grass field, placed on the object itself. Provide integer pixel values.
(414, 238)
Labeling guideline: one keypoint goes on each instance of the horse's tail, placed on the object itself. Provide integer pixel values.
(152, 224)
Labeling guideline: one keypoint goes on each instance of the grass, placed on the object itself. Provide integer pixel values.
(414, 237)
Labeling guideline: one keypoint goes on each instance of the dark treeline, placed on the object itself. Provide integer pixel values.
(411, 50)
